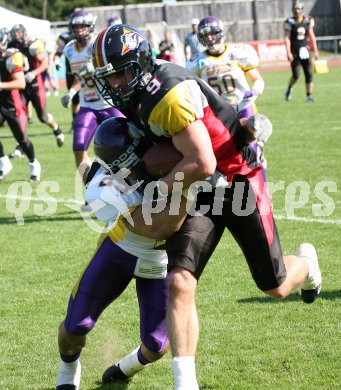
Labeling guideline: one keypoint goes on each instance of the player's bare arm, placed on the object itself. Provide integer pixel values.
(164, 224)
(198, 162)
(17, 82)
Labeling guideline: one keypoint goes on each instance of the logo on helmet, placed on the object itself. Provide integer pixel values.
(131, 40)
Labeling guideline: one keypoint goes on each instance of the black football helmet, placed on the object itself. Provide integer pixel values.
(211, 25)
(122, 49)
(82, 18)
(120, 144)
(22, 29)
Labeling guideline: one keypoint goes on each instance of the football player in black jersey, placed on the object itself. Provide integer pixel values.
(168, 102)
(12, 108)
(299, 39)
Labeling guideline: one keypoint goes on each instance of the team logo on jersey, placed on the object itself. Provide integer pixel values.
(131, 40)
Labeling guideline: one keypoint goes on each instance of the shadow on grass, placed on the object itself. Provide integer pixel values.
(49, 133)
(111, 386)
(328, 295)
(66, 216)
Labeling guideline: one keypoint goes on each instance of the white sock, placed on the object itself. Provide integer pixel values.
(184, 373)
(130, 364)
(69, 374)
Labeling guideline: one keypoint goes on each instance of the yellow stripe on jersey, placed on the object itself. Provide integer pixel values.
(175, 111)
(117, 233)
(18, 59)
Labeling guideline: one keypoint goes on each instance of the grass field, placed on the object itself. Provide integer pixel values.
(247, 340)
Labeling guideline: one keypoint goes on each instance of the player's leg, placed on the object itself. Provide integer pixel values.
(253, 226)
(39, 104)
(104, 279)
(188, 252)
(84, 127)
(152, 295)
(5, 163)
(17, 125)
(295, 69)
(308, 73)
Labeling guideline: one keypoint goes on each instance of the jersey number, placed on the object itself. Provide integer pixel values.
(227, 85)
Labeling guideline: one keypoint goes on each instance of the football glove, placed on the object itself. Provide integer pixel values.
(66, 99)
(87, 68)
(248, 98)
(261, 127)
(30, 76)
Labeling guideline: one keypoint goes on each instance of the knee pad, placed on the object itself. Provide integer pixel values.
(81, 328)
(47, 118)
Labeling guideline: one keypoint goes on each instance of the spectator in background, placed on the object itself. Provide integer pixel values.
(299, 29)
(114, 20)
(192, 45)
(167, 48)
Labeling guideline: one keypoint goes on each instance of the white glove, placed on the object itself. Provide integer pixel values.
(66, 99)
(86, 69)
(262, 127)
(248, 98)
(109, 196)
(30, 76)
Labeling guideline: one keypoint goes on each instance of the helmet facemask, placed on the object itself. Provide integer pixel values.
(127, 95)
(211, 25)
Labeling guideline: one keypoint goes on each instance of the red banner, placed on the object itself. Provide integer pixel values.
(270, 51)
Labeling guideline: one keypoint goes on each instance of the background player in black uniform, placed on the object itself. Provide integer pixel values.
(34, 51)
(299, 39)
(12, 107)
(168, 102)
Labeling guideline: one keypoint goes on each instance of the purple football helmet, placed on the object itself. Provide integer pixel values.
(119, 144)
(82, 18)
(114, 20)
(211, 25)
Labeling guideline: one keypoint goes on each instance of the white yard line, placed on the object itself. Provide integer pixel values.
(71, 202)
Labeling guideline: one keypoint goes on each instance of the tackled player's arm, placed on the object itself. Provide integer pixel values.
(163, 223)
(198, 161)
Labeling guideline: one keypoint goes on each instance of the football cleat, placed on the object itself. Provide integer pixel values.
(287, 95)
(311, 287)
(17, 153)
(35, 170)
(30, 121)
(66, 387)
(309, 99)
(114, 374)
(60, 139)
(5, 167)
